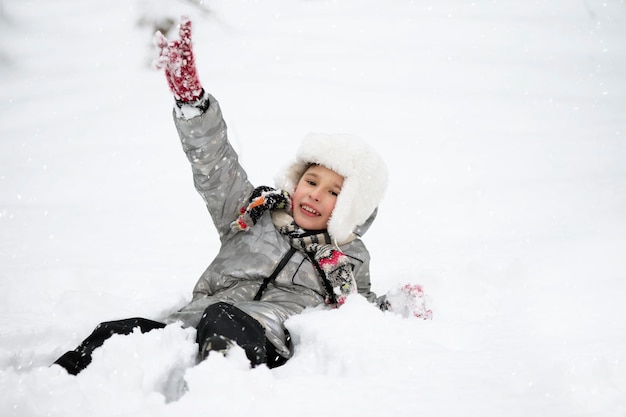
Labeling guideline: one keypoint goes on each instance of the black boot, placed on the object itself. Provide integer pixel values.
(215, 343)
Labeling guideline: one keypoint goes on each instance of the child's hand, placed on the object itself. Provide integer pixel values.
(177, 58)
(408, 301)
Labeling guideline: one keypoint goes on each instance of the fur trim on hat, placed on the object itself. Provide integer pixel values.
(365, 177)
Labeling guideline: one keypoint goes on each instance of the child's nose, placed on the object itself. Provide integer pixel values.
(315, 194)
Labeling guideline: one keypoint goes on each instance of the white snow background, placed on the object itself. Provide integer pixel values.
(503, 124)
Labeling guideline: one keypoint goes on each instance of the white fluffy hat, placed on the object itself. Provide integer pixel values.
(365, 177)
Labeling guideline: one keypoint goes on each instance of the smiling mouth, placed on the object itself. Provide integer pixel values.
(310, 210)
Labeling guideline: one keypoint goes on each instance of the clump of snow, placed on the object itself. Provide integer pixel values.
(409, 300)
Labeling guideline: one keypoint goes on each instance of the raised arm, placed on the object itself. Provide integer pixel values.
(217, 174)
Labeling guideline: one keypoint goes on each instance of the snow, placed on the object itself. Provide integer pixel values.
(503, 126)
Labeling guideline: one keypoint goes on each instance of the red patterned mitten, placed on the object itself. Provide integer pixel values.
(176, 57)
(408, 301)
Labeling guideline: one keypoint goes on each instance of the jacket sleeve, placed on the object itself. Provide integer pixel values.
(219, 178)
(361, 272)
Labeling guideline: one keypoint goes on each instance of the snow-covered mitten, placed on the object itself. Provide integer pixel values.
(408, 301)
(176, 57)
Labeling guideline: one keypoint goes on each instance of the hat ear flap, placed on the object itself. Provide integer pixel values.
(288, 179)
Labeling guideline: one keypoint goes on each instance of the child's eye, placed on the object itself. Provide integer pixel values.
(311, 182)
(335, 193)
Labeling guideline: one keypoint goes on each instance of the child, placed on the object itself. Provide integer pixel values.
(289, 248)
(282, 249)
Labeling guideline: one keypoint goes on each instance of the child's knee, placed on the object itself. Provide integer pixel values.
(227, 321)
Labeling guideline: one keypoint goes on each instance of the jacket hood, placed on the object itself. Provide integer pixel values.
(365, 179)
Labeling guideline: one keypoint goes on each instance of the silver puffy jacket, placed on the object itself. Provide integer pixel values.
(246, 258)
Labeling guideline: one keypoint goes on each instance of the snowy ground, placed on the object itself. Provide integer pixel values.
(503, 125)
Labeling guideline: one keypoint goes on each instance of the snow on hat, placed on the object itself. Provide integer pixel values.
(364, 172)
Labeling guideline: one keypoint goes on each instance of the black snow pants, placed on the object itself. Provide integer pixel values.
(221, 320)
(76, 360)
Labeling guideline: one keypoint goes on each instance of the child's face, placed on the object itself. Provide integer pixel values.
(315, 196)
